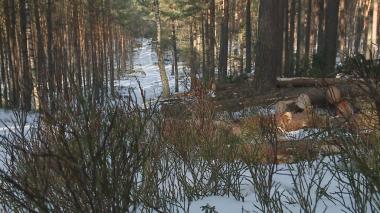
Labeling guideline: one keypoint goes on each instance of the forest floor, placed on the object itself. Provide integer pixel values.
(229, 98)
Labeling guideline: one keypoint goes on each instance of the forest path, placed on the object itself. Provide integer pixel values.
(146, 73)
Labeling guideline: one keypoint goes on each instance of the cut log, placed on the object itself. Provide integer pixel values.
(345, 109)
(285, 106)
(303, 101)
(309, 82)
(356, 86)
(312, 97)
(294, 121)
(333, 95)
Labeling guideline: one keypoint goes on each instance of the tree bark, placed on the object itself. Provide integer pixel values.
(161, 65)
(212, 42)
(175, 55)
(248, 38)
(286, 40)
(223, 54)
(11, 41)
(26, 83)
(41, 64)
(193, 71)
(375, 21)
(342, 28)
(111, 49)
(77, 46)
(290, 72)
(307, 34)
(269, 46)
(321, 28)
(300, 36)
(51, 72)
(331, 35)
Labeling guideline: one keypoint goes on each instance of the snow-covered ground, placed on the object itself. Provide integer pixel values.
(285, 186)
(8, 118)
(148, 75)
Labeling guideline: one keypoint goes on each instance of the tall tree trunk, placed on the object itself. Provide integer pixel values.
(248, 38)
(300, 36)
(78, 68)
(4, 72)
(331, 35)
(321, 27)
(287, 39)
(12, 52)
(223, 53)
(231, 36)
(314, 29)
(366, 29)
(161, 65)
(269, 46)
(26, 83)
(212, 40)
(2, 68)
(51, 72)
(193, 71)
(41, 64)
(360, 25)
(111, 50)
(342, 28)
(290, 72)
(206, 33)
(375, 19)
(307, 33)
(175, 55)
(204, 39)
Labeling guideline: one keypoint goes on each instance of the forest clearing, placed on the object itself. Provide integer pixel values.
(160, 106)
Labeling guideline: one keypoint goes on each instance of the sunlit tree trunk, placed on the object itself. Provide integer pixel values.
(41, 62)
(175, 55)
(342, 28)
(211, 35)
(193, 71)
(161, 65)
(292, 27)
(375, 21)
(307, 33)
(223, 53)
(286, 40)
(300, 36)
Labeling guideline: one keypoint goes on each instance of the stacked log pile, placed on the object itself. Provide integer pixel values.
(329, 94)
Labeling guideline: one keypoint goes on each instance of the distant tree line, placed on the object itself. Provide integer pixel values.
(226, 38)
(52, 49)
